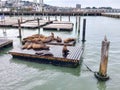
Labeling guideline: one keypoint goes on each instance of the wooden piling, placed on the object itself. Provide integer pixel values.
(79, 24)
(69, 18)
(48, 18)
(38, 20)
(21, 19)
(55, 18)
(104, 57)
(34, 15)
(102, 74)
(76, 23)
(60, 18)
(19, 26)
(84, 30)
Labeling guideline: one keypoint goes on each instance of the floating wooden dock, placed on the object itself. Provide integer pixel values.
(111, 15)
(71, 60)
(59, 25)
(9, 22)
(5, 42)
(33, 24)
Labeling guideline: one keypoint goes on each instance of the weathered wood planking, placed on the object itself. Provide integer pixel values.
(5, 42)
(59, 25)
(33, 24)
(72, 59)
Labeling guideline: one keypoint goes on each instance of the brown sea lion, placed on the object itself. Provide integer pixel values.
(40, 47)
(58, 39)
(65, 50)
(69, 40)
(25, 45)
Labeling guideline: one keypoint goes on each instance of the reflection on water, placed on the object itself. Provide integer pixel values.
(73, 71)
(101, 85)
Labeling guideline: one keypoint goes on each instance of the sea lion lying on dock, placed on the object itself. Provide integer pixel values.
(69, 40)
(58, 39)
(40, 47)
(48, 39)
(35, 46)
(25, 45)
(44, 53)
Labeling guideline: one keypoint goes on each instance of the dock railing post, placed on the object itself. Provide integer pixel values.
(102, 74)
(84, 30)
(19, 27)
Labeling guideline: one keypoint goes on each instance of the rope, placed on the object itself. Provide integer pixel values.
(89, 68)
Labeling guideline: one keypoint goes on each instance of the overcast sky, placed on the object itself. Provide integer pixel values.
(85, 3)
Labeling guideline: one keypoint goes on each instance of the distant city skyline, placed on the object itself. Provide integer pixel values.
(84, 3)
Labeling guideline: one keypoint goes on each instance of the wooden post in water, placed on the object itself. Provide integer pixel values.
(84, 30)
(69, 18)
(21, 20)
(60, 18)
(79, 24)
(76, 23)
(38, 20)
(48, 18)
(34, 16)
(55, 18)
(102, 74)
(19, 26)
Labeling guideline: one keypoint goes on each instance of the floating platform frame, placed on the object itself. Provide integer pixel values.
(5, 42)
(59, 25)
(73, 59)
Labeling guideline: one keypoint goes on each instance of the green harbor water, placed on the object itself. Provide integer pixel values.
(16, 74)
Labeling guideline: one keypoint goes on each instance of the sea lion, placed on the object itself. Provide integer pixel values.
(40, 46)
(69, 40)
(25, 45)
(58, 39)
(65, 51)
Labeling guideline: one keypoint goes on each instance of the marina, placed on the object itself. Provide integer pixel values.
(59, 45)
(17, 69)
